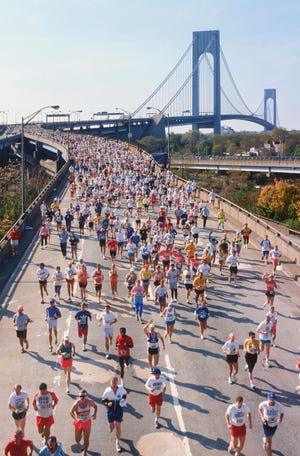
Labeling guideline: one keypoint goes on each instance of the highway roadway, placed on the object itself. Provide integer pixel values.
(197, 393)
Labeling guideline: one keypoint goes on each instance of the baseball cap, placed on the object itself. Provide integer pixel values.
(156, 371)
(152, 325)
(66, 338)
(20, 308)
(131, 269)
(52, 439)
(271, 396)
(52, 300)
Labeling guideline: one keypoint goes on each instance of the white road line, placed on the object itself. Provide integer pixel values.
(177, 406)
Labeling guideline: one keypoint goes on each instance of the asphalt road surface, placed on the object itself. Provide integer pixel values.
(197, 393)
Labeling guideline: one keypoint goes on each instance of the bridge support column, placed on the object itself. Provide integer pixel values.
(270, 94)
(207, 42)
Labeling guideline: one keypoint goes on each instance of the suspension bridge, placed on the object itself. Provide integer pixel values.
(193, 93)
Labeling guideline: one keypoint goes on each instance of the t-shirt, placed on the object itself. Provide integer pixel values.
(20, 321)
(265, 327)
(18, 401)
(107, 318)
(159, 385)
(82, 318)
(201, 313)
(271, 413)
(238, 415)
(44, 403)
(122, 343)
(251, 345)
(18, 450)
(231, 347)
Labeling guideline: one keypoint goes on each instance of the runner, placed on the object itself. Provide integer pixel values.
(19, 445)
(172, 278)
(201, 314)
(265, 249)
(235, 417)
(153, 339)
(273, 319)
(187, 277)
(156, 386)
(199, 285)
(123, 343)
(114, 398)
(44, 403)
(264, 329)
(251, 349)
(52, 315)
(275, 258)
(169, 314)
(82, 416)
(231, 349)
(233, 261)
(58, 278)
(20, 322)
(82, 317)
(42, 275)
(70, 273)
(161, 295)
(107, 319)
(271, 414)
(245, 232)
(82, 277)
(14, 236)
(130, 280)
(271, 286)
(98, 279)
(18, 403)
(67, 352)
(137, 292)
(52, 448)
(113, 280)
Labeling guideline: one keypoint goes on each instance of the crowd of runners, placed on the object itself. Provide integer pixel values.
(143, 216)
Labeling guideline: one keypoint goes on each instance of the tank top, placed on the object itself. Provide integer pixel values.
(83, 411)
(152, 340)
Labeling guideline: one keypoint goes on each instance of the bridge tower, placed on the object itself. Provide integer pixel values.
(207, 42)
(270, 94)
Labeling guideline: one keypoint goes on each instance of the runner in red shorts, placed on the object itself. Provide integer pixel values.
(235, 417)
(44, 402)
(81, 413)
(156, 386)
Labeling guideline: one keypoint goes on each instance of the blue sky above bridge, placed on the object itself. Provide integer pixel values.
(94, 55)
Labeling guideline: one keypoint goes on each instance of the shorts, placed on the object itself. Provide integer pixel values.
(231, 358)
(199, 292)
(102, 242)
(114, 415)
(153, 351)
(130, 254)
(270, 293)
(82, 332)
(170, 323)
(82, 425)
(113, 253)
(52, 324)
(18, 416)
(238, 431)
(120, 243)
(263, 342)
(82, 285)
(188, 286)
(108, 331)
(98, 287)
(43, 282)
(70, 280)
(22, 334)
(66, 362)
(233, 269)
(124, 360)
(14, 242)
(155, 400)
(269, 430)
(145, 282)
(41, 422)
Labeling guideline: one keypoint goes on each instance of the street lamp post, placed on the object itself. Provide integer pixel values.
(129, 123)
(25, 121)
(164, 114)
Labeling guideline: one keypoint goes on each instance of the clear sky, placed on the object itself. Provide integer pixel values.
(94, 55)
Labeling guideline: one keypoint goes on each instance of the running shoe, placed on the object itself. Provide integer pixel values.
(118, 448)
(50, 348)
(230, 380)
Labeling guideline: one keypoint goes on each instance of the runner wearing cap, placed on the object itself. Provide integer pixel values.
(19, 445)
(156, 386)
(153, 339)
(169, 315)
(82, 317)
(82, 416)
(67, 352)
(20, 322)
(51, 317)
(235, 417)
(271, 414)
(107, 319)
(52, 448)
(264, 329)
(231, 349)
